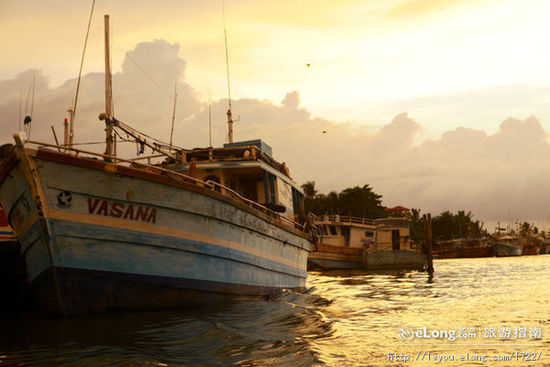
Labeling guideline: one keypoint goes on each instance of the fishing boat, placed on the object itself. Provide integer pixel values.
(347, 242)
(463, 248)
(506, 245)
(100, 233)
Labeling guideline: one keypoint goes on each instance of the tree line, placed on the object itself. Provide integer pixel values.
(357, 201)
(362, 201)
(447, 226)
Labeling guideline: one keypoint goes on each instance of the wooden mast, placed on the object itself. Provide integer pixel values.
(209, 118)
(229, 116)
(174, 113)
(108, 94)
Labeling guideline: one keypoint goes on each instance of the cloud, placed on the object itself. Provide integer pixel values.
(143, 95)
(465, 168)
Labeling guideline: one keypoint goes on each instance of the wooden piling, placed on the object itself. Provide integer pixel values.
(428, 247)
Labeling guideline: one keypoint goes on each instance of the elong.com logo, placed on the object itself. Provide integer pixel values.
(424, 333)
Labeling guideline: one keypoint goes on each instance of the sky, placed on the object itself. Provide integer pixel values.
(438, 105)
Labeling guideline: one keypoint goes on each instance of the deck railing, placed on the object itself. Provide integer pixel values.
(344, 219)
(176, 176)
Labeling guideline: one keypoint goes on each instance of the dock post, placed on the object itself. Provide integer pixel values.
(428, 248)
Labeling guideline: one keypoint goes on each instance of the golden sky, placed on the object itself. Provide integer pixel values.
(366, 56)
(430, 102)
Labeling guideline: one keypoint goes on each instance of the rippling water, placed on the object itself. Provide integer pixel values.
(343, 319)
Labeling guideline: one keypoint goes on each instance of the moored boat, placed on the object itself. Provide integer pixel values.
(393, 248)
(99, 232)
(463, 248)
(99, 235)
(507, 246)
(341, 242)
(359, 243)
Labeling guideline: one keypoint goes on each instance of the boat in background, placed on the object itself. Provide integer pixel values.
(341, 241)
(530, 242)
(506, 245)
(347, 242)
(463, 248)
(393, 248)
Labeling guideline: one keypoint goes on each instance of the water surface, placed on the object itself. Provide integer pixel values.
(343, 319)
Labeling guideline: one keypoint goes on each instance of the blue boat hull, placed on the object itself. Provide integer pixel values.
(92, 291)
(97, 237)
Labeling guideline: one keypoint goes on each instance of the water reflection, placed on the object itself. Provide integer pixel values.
(344, 318)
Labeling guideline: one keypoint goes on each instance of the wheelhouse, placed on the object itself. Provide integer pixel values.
(248, 169)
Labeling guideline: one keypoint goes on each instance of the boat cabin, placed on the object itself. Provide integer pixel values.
(372, 234)
(248, 169)
(393, 234)
(346, 231)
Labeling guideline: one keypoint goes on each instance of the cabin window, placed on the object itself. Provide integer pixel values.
(369, 234)
(249, 188)
(333, 230)
(215, 179)
(325, 230)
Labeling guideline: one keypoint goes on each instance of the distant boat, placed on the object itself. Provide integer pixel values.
(393, 248)
(341, 242)
(463, 248)
(506, 246)
(530, 242)
(359, 243)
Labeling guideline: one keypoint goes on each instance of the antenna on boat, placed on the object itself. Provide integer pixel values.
(72, 110)
(108, 94)
(174, 112)
(209, 118)
(229, 117)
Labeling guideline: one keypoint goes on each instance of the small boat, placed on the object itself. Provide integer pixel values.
(530, 242)
(462, 248)
(506, 246)
(349, 242)
(341, 242)
(544, 246)
(100, 233)
(393, 248)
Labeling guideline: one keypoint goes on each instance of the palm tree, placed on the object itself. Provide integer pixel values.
(309, 189)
